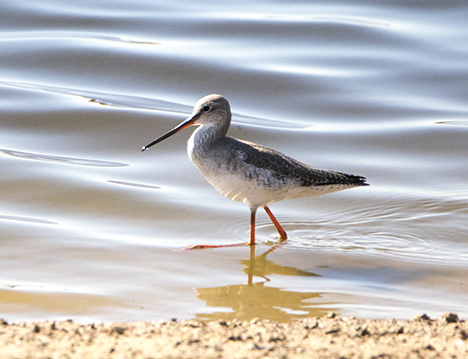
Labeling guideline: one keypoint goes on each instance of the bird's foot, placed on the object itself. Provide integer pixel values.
(205, 246)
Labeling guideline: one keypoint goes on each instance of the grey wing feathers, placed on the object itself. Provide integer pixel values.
(286, 168)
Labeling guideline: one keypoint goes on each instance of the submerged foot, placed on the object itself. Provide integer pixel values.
(205, 246)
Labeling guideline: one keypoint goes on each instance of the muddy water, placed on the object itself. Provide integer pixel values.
(88, 223)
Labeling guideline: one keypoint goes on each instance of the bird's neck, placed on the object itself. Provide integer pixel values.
(204, 137)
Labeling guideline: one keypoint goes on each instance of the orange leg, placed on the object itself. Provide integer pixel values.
(251, 242)
(281, 231)
(252, 228)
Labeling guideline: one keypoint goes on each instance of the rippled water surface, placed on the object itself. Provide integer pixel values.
(89, 225)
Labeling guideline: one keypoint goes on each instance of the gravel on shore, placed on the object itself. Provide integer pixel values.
(325, 337)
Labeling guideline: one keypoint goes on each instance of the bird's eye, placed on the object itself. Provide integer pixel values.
(206, 108)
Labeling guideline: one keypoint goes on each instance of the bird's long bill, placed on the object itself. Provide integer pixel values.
(188, 122)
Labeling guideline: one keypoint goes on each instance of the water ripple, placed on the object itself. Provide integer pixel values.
(350, 20)
(41, 36)
(64, 160)
(146, 103)
(132, 184)
(25, 219)
(396, 246)
(453, 122)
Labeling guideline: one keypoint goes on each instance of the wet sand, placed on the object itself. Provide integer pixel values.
(326, 337)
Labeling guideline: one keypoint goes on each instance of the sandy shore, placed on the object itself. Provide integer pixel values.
(327, 337)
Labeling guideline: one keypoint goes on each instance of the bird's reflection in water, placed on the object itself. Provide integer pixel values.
(257, 300)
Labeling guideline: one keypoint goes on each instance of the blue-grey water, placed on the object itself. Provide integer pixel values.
(89, 224)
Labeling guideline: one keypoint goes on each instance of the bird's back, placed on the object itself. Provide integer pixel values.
(251, 173)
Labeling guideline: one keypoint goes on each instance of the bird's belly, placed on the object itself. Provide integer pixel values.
(245, 190)
(259, 188)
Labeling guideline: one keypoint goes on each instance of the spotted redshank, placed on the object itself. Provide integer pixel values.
(247, 172)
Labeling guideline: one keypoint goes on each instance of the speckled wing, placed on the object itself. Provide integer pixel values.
(282, 167)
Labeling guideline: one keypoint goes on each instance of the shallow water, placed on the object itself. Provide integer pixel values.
(89, 223)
